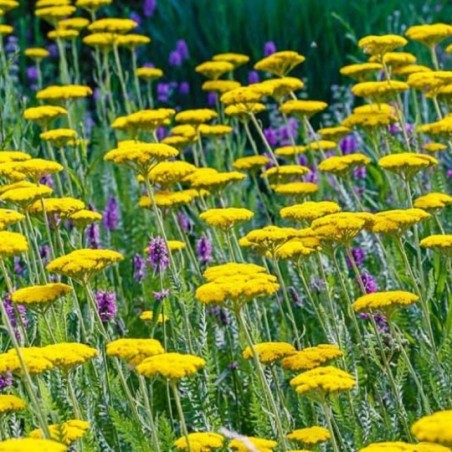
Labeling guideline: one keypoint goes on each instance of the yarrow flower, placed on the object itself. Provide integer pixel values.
(200, 442)
(434, 428)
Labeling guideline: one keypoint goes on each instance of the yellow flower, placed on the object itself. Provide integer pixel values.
(31, 444)
(210, 179)
(310, 435)
(360, 70)
(334, 133)
(167, 174)
(220, 86)
(176, 245)
(237, 59)
(102, 41)
(169, 199)
(269, 352)
(295, 188)
(434, 147)
(226, 218)
(44, 114)
(74, 23)
(379, 90)
(282, 87)
(68, 355)
(200, 442)
(55, 13)
(309, 210)
(302, 108)
(66, 433)
(92, 5)
(280, 63)
(311, 357)
(323, 380)
(251, 163)
(379, 45)
(83, 217)
(430, 82)
(434, 428)
(10, 403)
(215, 130)
(112, 25)
(214, 69)
(63, 34)
(37, 168)
(32, 357)
(398, 59)
(149, 73)
(8, 5)
(13, 156)
(37, 53)
(231, 269)
(441, 127)
(143, 120)
(64, 92)
(59, 137)
(341, 165)
(5, 30)
(172, 366)
(12, 243)
(297, 248)
(411, 69)
(26, 195)
(440, 242)
(141, 157)
(429, 34)
(195, 117)
(149, 316)
(46, 3)
(384, 300)
(399, 446)
(433, 201)
(9, 217)
(40, 296)
(83, 263)
(134, 351)
(397, 221)
(285, 173)
(407, 164)
(63, 207)
(247, 443)
(243, 111)
(132, 41)
(269, 238)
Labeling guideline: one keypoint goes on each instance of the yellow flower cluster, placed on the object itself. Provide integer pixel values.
(66, 433)
(12, 243)
(441, 242)
(44, 113)
(63, 207)
(429, 34)
(269, 352)
(381, 301)
(248, 443)
(36, 296)
(295, 188)
(251, 163)
(407, 164)
(285, 173)
(64, 92)
(311, 357)
(165, 199)
(302, 108)
(280, 63)
(31, 444)
(399, 446)
(214, 69)
(226, 218)
(341, 165)
(433, 201)
(67, 355)
(379, 90)
(310, 435)
(309, 210)
(167, 174)
(435, 428)
(195, 117)
(10, 403)
(9, 217)
(142, 120)
(200, 442)
(134, 351)
(360, 70)
(379, 45)
(397, 221)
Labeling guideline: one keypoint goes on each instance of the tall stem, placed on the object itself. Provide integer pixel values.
(180, 412)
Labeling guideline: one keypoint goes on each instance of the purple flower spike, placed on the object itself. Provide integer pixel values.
(106, 304)
(204, 250)
(6, 380)
(369, 282)
(93, 235)
(111, 214)
(269, 48)
(160, 296)
(139, 268)
(182, 49)
(149, 7)
(158, 255)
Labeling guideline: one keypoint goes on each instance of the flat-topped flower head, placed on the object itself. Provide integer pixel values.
(112, 25)
(44, 114)
(13, 156)
(311, 357)
(66, 433)
(384, 301)
(429, 34)
(434, 428)
(54, 14)
(220, 86)
(25, 195)
(399, 446)
(398, 59)
(231, 269)
(430, 82)
(31, 444)
(310, 435)
(251, 163)
(302, 108)
(149, 73)
(438, 242)
(64, 92)
(296, 189)
(341, 165)
(170, 366)
(101, 41)
(148, 316)
(35, 169)
(82, 264)
(214, 130)
(62, 207)
(246, 97)
(10, 403)
(309, 210)
(411, 69)
(9, 217)
(433, 201)
(59, 137)
(397, 221)
(92, 5)
(33, 358)
(359, 71)
(63, 34)
(407, 164)
(269, 352)
(381, 90)
(41, 296)
(84, 217)
(226, 218)
(141, 157)
(67, 355)
(247, 443)
(134, 351)
(280, 63)
(284, 86)
(12, 243)
(379, 45)
(213, 70)
(322, 381)
(237, 59)
(74, 23)
(285, 173)
(8, 5)
(148, 120)
(200, 442)
(297, 248)
(132, 41)
(212, 180)
(433, 147)
(167, 199)
(167, 174)
(334, 133)
(196, 116)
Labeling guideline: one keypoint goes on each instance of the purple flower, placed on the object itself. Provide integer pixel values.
(139, 267)
(32, 73)
(136, 17)
(358, 256)
(269, 48)
(212, 98)
(158, 255)
(221, 315)
(184, 222)
(348, 144)
(449, 173)
(106, 304)
(204, 249)
(16, 314)
(161, 133)
(184, 88)
(302, 160)
(47, 180)
(160, 296)
(53, 49)
(397, 128)
(163, 92)
(149, 7)
(6, 380)
(19, 267)
(175, 58)
(182, 49)
(44, 253)
(312, 176)
(253, 77)
(271, 136)
(369, 283)
(111, 214)
(360, 172)
(92, 235)
(380, 320)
